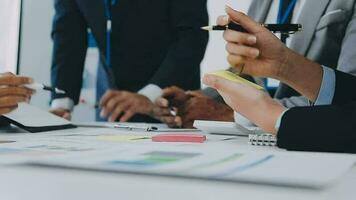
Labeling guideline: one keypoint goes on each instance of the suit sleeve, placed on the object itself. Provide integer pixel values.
(182, 62)
(347, 58)
(323, 128)
(69, 36)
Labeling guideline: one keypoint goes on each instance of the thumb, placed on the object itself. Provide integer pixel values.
(245, 21)
(220, 84)
(195, 94)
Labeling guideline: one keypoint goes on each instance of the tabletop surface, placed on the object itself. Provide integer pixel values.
(29, 182)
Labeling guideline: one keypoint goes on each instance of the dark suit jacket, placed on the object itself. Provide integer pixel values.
(154, 41)
(323, 128)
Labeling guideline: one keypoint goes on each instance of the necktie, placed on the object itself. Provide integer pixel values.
(285, 15)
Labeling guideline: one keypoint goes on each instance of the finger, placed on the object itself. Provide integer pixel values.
(17, 91)
(178, 121)
(235, 60)
(195, 94)
(120, 108)
(6, 74)
(170, 121)
(171, 92)
(67, 116)
(127, 116)
(158, 112)
(220, 84)
(162, 102)
(107, 96)
(244, 51)
(7, 110)
(223, 20)
(238, 37)
(111, 105)
(15, 80)
(11, 101)
(245, 21)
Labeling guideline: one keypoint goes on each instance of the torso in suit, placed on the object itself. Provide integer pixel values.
(323, 128)
(154, 42)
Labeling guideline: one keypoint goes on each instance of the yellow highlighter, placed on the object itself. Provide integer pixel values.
(235, 78)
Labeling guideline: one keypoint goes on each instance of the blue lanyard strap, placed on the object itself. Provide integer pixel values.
(108, 5)
(283, 17)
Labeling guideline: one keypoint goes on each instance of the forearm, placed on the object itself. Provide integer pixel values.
(301, 74)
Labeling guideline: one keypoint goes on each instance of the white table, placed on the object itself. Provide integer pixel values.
(26, 182)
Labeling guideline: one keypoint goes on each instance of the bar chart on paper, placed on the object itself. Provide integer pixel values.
(309, 170)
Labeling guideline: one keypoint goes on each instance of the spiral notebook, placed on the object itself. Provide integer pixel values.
(262, 139)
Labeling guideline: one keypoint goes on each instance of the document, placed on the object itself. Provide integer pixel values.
(307, 170)
(34, 119)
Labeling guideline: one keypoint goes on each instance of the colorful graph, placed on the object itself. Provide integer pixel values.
(154, 158)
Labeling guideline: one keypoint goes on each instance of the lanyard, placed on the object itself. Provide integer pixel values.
(108, 6)
(283, 17)
(108, 64)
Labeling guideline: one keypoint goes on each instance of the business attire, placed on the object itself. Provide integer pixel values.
(325, 128)
(155, 44)
(327, 38)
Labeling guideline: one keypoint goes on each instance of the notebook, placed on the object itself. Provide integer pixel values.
(33, 119)
(262, 139)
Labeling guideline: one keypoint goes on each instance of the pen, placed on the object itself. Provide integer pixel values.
(39, 86)
(119, 126)
(172, 111)
(276, 28)
(131, 128)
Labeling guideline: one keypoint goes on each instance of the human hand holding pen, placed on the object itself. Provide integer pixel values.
(171, 99)
(12, 91)
(260, 53)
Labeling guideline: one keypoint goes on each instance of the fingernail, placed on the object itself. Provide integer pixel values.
(226, 19)
(252, 39)
(30, 80)
(255, 53)
(165, 102)
(102, 114)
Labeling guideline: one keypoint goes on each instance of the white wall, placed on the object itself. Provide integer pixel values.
(215, 57)
(9, 34)
(37, 46)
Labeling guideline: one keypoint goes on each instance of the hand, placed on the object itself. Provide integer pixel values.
(171, 97)
(255, 105)
(123, 104)
(60, 112)
(202, 107)
(260, 53)
(12, 92)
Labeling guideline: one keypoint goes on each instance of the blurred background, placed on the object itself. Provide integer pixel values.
(25, 28)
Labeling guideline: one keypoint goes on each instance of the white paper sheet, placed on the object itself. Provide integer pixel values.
(31, 116)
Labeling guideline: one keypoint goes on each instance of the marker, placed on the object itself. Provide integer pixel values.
(193, 138)
(275, 28)
(39, 86)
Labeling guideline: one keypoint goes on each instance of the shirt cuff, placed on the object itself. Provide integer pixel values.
(151, 91)
(63, 103)
(327, 89)
(279, 121)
